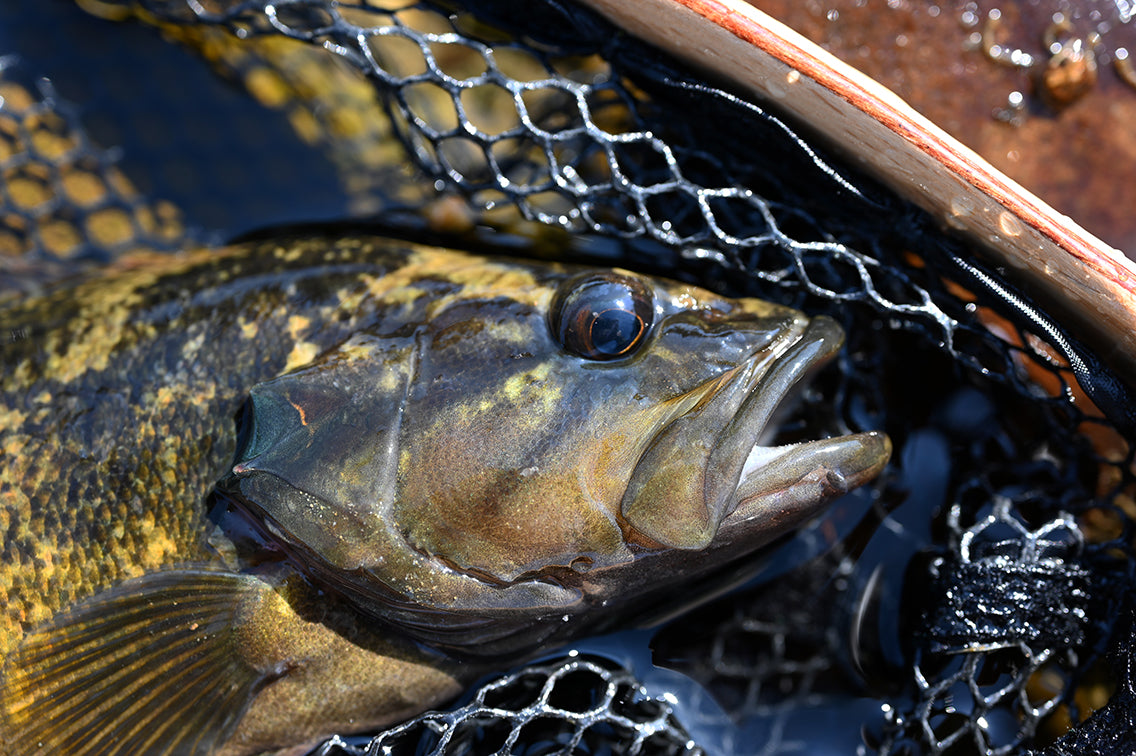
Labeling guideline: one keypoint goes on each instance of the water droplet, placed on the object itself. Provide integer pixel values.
(960, 209)
(1010, 225)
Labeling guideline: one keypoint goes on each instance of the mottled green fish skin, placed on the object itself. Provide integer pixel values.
(445, 479)
(119, 397)
(118, 416)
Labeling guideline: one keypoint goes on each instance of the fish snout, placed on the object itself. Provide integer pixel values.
(704, 465)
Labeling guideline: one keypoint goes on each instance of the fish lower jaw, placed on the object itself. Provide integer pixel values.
(798, 479)
(762, 456)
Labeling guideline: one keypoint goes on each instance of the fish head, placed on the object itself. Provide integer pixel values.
(539, 442)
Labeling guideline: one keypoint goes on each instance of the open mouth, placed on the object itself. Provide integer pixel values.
(795, 480)
(708, 469)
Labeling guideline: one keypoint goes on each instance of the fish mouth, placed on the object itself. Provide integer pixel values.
(706, 475)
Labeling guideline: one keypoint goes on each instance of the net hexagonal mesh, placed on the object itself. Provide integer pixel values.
(580, 704)
(967, 603)
(63, 199)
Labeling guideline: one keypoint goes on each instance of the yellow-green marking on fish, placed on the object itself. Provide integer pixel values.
(253, 497)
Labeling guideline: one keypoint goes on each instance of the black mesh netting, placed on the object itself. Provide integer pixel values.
(581, 704)
(63, 199)
(974, 600)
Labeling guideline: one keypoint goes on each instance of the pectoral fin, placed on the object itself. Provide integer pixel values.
(153, 666)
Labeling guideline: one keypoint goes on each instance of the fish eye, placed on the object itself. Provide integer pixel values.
(602, 316)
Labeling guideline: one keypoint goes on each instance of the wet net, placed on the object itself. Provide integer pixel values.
(975, 600)
(63, 200)
(580, 704)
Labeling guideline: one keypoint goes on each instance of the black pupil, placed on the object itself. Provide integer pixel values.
(613, 331)
(602, 316)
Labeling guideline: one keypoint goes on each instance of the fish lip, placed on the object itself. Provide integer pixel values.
(778, 488)
(685, 482)
(766, 393)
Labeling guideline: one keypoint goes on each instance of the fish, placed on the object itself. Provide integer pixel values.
(321, 482)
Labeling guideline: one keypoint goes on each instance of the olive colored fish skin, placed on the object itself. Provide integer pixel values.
(118, 406)
(117, 418)
(476, 480)
(423, 452)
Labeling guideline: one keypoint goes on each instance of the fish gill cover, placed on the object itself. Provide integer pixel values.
(977, 599)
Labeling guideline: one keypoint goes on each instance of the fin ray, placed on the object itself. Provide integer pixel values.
(140, 713)
(152, 666)
(96, 680)
(145, 732)
(89, 675)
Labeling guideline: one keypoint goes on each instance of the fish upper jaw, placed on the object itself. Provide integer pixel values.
(794, 482)
(706, 471)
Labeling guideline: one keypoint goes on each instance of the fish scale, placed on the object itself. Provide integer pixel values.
(320, 483)
(116, 492)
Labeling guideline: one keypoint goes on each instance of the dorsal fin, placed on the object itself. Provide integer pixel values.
(152, 666)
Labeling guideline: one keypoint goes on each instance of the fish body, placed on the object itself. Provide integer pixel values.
(119, 398)
(253, 497)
